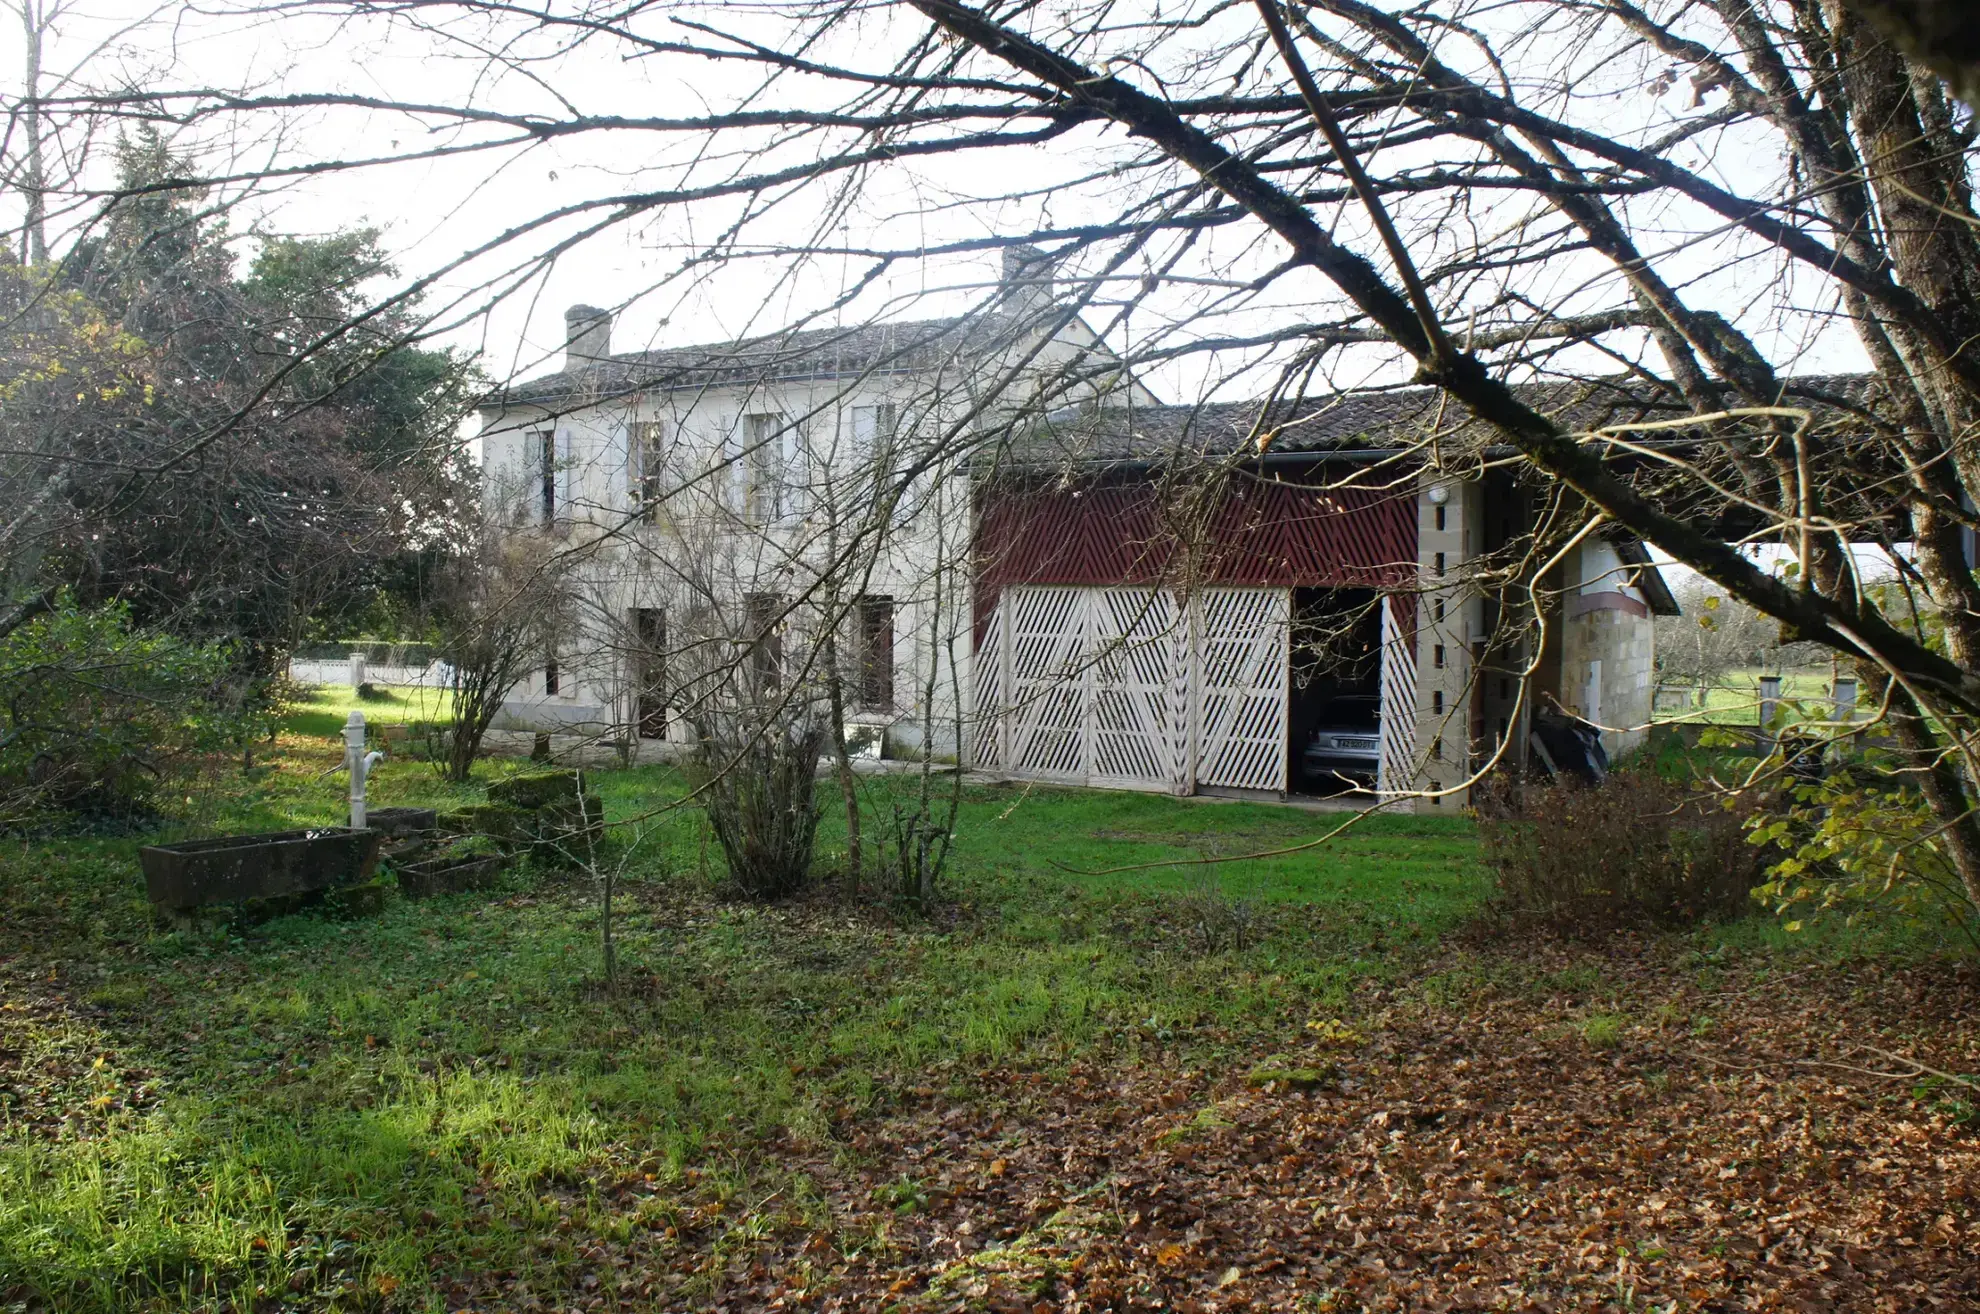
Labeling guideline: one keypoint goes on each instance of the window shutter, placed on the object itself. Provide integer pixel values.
(542, 493)
(513, 484)
(565, 482)
(795, 474)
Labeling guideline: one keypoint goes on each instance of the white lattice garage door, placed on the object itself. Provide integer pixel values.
(1140, 727)
(1241, 666)
(1125, 687)
(1396, 769)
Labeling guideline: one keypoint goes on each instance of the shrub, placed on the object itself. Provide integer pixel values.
(756, 784)
(98, 713)
(1635, 851)
(1859, 841)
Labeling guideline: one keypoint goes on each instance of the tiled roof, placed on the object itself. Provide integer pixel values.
(823, 353)
(1363, 420)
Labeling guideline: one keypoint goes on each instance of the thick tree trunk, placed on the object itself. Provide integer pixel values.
(1937, 765)
(1943, 35)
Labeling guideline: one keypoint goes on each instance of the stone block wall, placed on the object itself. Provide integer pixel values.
(1624, 642)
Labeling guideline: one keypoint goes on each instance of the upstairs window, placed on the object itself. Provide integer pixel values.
(768, 443)
(873, 431)
(872, 448)
(646, 467)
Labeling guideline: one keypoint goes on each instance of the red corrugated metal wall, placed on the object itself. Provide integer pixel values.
(1258, 532)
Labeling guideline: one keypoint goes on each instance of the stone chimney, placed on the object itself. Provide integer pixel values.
(587, 337)
(1026, 289)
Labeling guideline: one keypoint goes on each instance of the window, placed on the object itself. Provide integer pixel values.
(542, 458)
(873, 430)
(552, 679)
(1436, 702)
(763, 615)
(1440, 565)
(649, 668)
(874, 651)
(773, 461)
(1440, 518)
(646, 459)
(1437, 656)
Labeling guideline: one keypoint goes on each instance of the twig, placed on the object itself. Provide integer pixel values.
(1968, 1082)
(1866, 1072)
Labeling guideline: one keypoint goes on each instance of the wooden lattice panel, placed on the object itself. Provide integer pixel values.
(1130, 687)
(987, 747)
(1242, 662)
(1133, 636)
(1396, 769)
(1046, 678)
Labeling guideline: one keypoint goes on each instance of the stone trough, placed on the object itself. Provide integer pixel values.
(246, 869)
(426, 877)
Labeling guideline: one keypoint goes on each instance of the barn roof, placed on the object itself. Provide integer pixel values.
(1656, 589)
(1369, 419)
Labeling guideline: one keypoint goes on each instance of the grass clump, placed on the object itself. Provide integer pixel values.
(1289, 1074)
(1602, 1030)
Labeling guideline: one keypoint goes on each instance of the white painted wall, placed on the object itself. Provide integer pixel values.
(920, 561)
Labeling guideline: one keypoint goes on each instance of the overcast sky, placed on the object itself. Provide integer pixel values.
(432, 210)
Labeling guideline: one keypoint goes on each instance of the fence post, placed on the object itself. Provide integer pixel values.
(355, 764)
(357, 668)
(1770, 703)
(1844, 692)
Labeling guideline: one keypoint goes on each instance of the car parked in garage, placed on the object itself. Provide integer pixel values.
(1348, 741)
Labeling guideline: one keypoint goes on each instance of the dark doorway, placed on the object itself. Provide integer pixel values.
(650, 671)
(1334, 691)
(874, 655)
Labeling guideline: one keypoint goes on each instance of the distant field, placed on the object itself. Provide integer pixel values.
(1735, 698)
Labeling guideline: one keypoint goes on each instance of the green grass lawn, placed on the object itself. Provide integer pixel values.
(315, 1109)
(326, 708)
(321, 1113)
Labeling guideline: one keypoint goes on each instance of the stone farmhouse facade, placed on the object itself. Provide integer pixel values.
(1026, 560)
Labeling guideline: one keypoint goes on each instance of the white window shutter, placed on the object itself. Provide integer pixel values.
(565, 481)
(513, 480)
(797, 469)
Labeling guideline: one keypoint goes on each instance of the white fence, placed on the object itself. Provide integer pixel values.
(436, 676)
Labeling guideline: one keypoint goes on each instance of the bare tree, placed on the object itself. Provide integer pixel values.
(505, 603)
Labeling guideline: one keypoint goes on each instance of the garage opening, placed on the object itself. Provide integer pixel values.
(1334, 691)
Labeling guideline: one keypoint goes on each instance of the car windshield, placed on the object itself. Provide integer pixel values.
(1351, 712)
